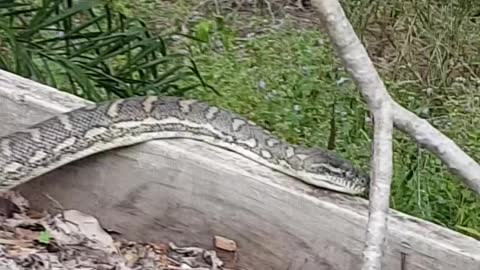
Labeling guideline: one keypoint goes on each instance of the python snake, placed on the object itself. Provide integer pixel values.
(70, 136)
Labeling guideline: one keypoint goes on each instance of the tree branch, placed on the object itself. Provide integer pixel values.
(362, 70)
(359, 66)
(380, 187)
(436, 142)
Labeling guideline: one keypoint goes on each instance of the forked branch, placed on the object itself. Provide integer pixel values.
(384, 108)
(361, 68)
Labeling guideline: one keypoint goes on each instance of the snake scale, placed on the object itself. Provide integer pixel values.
(70, 136)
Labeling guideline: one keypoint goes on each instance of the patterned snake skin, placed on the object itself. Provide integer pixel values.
(71, 136)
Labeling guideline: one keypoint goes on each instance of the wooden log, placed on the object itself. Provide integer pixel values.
(187, 191)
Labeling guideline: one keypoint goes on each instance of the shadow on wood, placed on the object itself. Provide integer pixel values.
(187, 191)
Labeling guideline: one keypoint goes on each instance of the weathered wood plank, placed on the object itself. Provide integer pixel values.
(187, 191)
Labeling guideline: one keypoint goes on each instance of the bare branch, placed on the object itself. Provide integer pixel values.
(436, 142)
(380, 187)
(359, 66)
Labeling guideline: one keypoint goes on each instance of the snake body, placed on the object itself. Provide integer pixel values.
(70, 136)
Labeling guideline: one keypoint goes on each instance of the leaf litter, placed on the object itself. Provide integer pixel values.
(74, 240)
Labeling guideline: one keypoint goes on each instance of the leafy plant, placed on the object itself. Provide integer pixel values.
(44, 237)
(212, 31)
(90, 49)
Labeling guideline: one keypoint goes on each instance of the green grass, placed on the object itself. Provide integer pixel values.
(288, 79)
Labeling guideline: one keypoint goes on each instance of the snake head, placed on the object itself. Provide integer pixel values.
(325, 169)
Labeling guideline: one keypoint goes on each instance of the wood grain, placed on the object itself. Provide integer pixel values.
(187, 192)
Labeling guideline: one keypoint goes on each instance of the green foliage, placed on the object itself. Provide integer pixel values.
(44, 237)
(203, 29)
(211, 31)
(90, 50)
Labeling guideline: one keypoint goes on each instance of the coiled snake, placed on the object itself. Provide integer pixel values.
(67, 137)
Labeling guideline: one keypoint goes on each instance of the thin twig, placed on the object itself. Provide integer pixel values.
(270, 11)
(56, 202)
